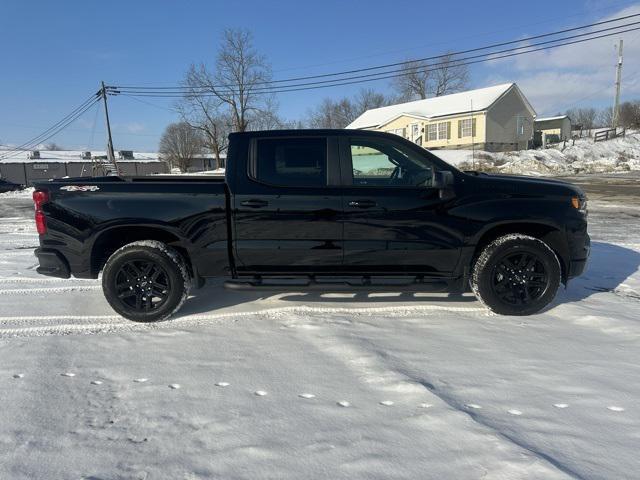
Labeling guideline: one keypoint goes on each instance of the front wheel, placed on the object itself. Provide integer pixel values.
(145, 281)
(516, 275)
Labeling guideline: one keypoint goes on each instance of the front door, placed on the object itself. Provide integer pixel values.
(287, 209)
(394, 221)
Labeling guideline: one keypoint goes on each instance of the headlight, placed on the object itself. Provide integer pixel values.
(579, 203)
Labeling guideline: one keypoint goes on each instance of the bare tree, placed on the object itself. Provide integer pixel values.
(630, 114)
(340, 113)
(238, 81)
(204, 114)
(266, 117)
(366, 99)
(419, 79)
(52, 147)
(604, 119)
(180, 143)
(413, 81)
(583, 116)
(448, 76)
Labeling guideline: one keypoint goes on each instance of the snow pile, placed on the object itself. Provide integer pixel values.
(24, 193)
(618, 155)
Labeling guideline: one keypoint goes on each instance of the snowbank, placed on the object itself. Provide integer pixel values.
(26, 193)
(618, 155)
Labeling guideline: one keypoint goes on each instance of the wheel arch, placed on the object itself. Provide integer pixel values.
(110, 240)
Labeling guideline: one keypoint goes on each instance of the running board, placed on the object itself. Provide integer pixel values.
(404, 284)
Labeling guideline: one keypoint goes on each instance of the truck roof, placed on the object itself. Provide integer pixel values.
(311, 131)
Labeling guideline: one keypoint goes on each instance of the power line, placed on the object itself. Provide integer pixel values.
(55, 128)
(518, 27)
(372, 77)
(397, 64)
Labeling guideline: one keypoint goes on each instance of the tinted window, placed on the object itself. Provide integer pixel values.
(382, 164)
(296, 162)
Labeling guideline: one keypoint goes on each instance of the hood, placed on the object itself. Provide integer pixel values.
(526, 185)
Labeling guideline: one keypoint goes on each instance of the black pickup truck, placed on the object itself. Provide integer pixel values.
(323, 207)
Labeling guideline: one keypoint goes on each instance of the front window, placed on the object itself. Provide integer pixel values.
(384, 164)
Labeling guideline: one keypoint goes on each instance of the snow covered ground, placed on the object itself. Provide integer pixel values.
(618, 155)
(265, 385)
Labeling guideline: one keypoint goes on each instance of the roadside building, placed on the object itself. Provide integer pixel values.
(497, 118)
(24, 167)
(555, 129)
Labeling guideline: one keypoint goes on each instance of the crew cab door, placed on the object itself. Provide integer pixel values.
(287, 208)
(394, 220)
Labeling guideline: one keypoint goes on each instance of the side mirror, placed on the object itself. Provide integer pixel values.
(443, 181)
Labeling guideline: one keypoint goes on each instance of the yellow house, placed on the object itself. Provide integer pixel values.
(497, 118)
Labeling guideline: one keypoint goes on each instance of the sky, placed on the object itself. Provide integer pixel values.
(53, 55)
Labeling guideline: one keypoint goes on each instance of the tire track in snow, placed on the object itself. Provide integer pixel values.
(40, 290)
(42, 325)
(390, 374)
(45, 280)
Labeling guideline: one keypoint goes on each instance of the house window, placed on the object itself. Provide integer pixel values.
(466, 127)
(439, 131)
(397, 131)
(432, 132)
(442, 131)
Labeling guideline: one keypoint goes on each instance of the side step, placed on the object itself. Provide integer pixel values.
(334, 284)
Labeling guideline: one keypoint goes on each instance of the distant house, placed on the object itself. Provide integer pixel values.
(497, 118)
(551, 127)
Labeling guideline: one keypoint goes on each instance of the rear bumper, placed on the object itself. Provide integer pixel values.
(52, 263)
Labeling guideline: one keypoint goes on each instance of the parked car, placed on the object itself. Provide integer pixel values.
(325, 207)
(7, 186)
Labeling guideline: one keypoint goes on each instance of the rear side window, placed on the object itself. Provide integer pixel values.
(292, 162)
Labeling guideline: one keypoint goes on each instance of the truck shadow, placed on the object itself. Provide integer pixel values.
(215, 297)
(609, 266)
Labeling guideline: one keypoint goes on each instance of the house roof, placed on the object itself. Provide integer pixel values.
(452, 104)
(546, 119)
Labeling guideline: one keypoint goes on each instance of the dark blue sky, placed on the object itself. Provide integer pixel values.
(54, 54)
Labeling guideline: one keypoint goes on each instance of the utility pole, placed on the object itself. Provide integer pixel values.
(110, 155)
(473, 141)
(616, 103)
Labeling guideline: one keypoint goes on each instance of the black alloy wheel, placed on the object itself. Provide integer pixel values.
(520, 278)
(516, 274)
(142, 285)
(146, 281)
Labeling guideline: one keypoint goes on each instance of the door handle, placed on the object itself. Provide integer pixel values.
(362, 203)
(254, 203)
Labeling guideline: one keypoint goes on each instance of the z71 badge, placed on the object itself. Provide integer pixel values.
(80, 188)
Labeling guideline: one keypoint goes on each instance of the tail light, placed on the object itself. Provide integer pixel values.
(40, 198)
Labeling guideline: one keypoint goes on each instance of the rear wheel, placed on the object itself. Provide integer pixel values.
(145, 281)
(516, 275)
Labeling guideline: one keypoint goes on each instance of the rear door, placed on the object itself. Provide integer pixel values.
(394, 221)
(287, 208)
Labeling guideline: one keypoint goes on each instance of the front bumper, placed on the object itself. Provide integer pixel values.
(52, 263)
(579, 259)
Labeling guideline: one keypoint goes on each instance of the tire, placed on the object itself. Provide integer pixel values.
(516, 275)
(146, 281)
